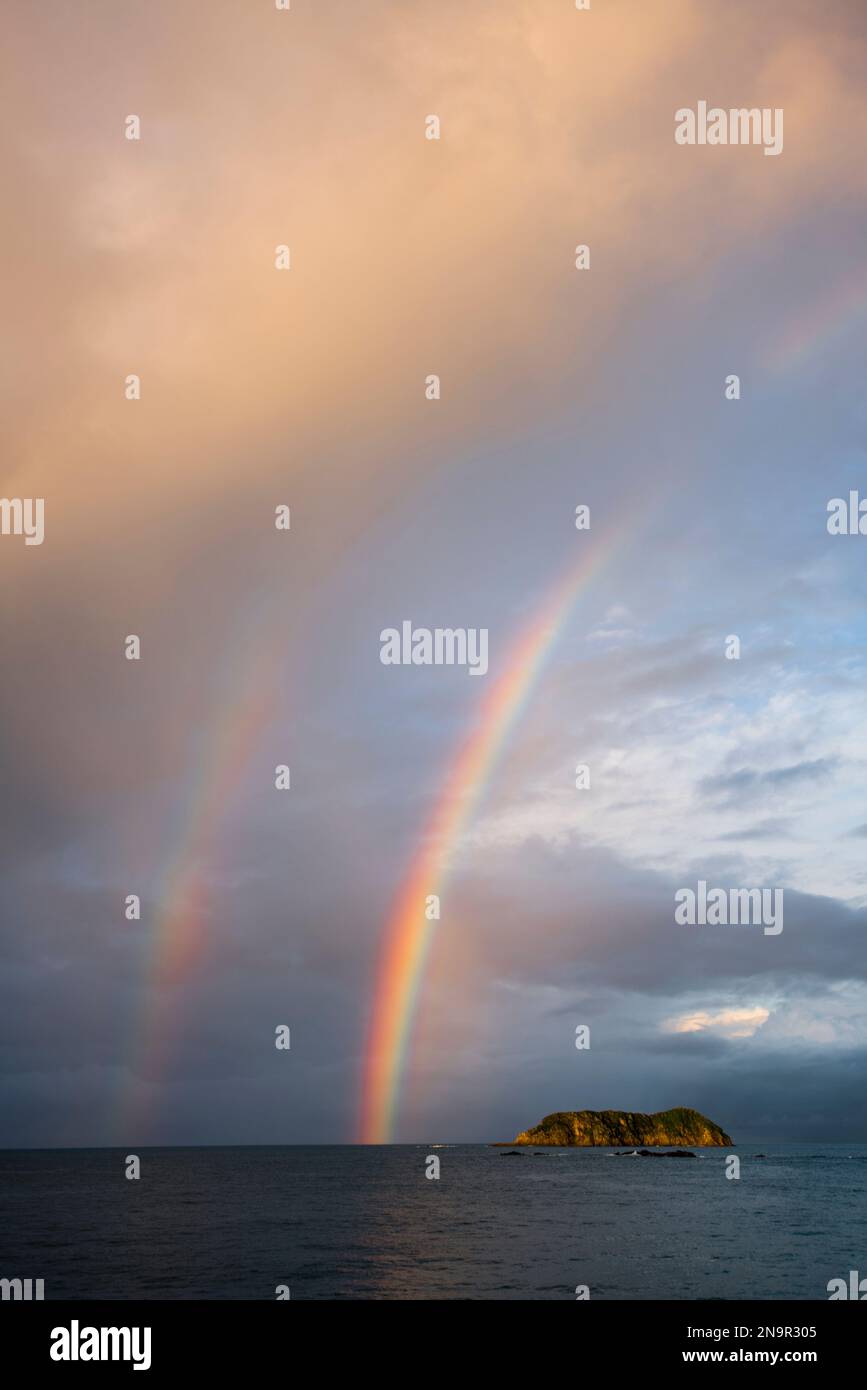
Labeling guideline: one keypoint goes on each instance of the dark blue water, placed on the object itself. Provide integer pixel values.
(333, 1222)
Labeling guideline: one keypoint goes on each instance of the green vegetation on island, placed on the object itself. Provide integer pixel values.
(617, 1128)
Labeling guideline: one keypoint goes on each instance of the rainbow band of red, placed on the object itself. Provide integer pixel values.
(408, 933)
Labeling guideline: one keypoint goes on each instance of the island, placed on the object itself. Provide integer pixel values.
(617, 1128)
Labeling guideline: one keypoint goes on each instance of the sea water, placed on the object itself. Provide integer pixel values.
(326, 1222)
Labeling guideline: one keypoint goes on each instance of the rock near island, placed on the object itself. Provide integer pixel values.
(618, 1128)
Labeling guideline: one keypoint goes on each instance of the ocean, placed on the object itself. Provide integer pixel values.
(334, 1222)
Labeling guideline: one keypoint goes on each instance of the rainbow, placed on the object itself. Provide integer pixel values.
(408, 933)
(824, 321)
(245, 697)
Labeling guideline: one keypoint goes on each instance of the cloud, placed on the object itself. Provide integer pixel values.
(258, 388)
(746, 781)
(731, 1023)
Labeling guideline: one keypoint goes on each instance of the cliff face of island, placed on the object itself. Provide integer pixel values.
(619, 1128)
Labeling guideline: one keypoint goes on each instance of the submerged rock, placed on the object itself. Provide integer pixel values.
(649, 1153)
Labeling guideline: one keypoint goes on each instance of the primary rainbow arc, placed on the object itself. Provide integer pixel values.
(408, 933)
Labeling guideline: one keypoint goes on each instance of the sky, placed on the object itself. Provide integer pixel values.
(261, 647)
